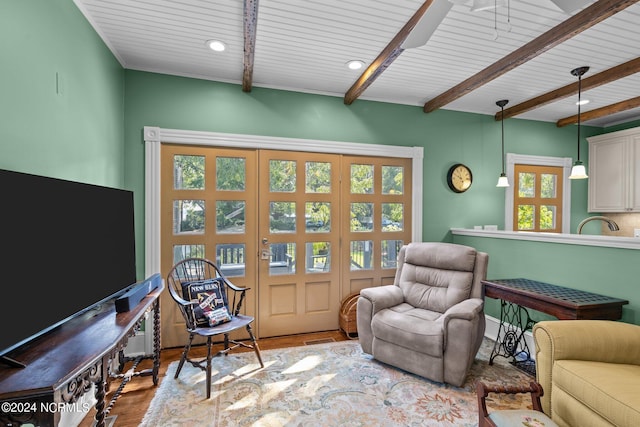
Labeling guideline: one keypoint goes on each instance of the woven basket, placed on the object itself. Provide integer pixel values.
(348, 321)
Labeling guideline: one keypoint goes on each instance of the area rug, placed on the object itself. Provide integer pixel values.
(332, 384)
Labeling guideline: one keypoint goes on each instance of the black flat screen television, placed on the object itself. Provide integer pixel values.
(66, 248)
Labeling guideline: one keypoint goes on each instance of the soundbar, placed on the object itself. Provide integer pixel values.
(133, 296)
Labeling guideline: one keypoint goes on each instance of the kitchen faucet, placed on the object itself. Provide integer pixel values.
(611, 223)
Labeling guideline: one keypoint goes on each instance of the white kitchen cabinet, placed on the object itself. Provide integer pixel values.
(614, 171)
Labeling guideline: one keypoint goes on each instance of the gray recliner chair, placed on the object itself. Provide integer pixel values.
(430, 322)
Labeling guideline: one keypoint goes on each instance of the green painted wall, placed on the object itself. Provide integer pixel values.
(69, 110)
(608, 271)
(62, 103)
(447, 137)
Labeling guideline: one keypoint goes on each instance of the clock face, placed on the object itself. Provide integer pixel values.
(459, 178)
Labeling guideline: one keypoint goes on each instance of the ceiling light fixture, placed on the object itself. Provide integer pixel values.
(503, 181)
(355, 65)
(216, 45)
(578, 170)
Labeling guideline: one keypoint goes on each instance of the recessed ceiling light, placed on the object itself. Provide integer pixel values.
(355, 65)
(216, 45)
(583, 102)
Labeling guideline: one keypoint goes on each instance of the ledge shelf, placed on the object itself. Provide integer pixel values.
(570, 239)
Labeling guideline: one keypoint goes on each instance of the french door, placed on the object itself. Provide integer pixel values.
(208, 209)
(299, 217)
(302, 230)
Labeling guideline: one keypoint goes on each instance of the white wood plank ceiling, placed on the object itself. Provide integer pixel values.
(304, 45)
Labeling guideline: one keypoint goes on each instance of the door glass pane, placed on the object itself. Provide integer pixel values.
(318, 257)
(317, 217)
(181, 252)
(230, 173)
(361, 254)
(283, 259)
(361, 216)
(548, 183)
(188, 172)
(282, 176)
(188, 216)
(282, 217)
(392, 216)
(230, 216)
(361, 179)
(526, 217)
(527, 184)
(318, 177)
(392, 179)
(231, 259)
(547, 217)
(390, 249)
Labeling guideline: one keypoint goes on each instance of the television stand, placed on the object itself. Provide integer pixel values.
(64, 363)
(12, 362)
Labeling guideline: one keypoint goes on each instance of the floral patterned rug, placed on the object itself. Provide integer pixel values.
(332, 384)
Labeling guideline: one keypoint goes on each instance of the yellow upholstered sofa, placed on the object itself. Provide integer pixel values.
(589, 371)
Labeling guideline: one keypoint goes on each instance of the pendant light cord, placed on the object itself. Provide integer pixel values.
(502, 122)
(579, 104)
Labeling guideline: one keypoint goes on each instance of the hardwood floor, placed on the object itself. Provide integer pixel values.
(138, 393)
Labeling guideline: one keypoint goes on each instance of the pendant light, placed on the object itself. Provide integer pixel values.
(503, 181)
(578, 170)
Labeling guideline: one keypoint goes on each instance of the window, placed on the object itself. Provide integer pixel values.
(537, 198)
(540, 196)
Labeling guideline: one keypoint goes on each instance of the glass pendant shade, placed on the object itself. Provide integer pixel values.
(578, 171)
(503, 181)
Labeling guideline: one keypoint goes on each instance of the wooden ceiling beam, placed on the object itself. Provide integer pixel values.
(583, 20)
(250, 24)
(604, 77)
(601, 112)
(386, 57)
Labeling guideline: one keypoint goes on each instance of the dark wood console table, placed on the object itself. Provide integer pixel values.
(517, 295)
(64, 363)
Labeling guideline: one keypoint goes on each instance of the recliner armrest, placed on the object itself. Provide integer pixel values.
(382, 297)
(467, 309)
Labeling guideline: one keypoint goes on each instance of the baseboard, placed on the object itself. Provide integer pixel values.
(493, 326)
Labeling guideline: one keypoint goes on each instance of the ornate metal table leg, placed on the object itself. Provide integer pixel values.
(510, 342)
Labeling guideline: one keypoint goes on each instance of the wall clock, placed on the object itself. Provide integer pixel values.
(459, 178)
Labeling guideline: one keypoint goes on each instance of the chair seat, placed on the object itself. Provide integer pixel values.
(413, 329)
(521, 417)
(236, 322)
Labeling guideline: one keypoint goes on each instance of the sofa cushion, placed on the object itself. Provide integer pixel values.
(409, 327)
(609, 389)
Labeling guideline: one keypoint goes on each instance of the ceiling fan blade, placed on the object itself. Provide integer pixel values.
(425, 27)
(569, 6)
(479, 5)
